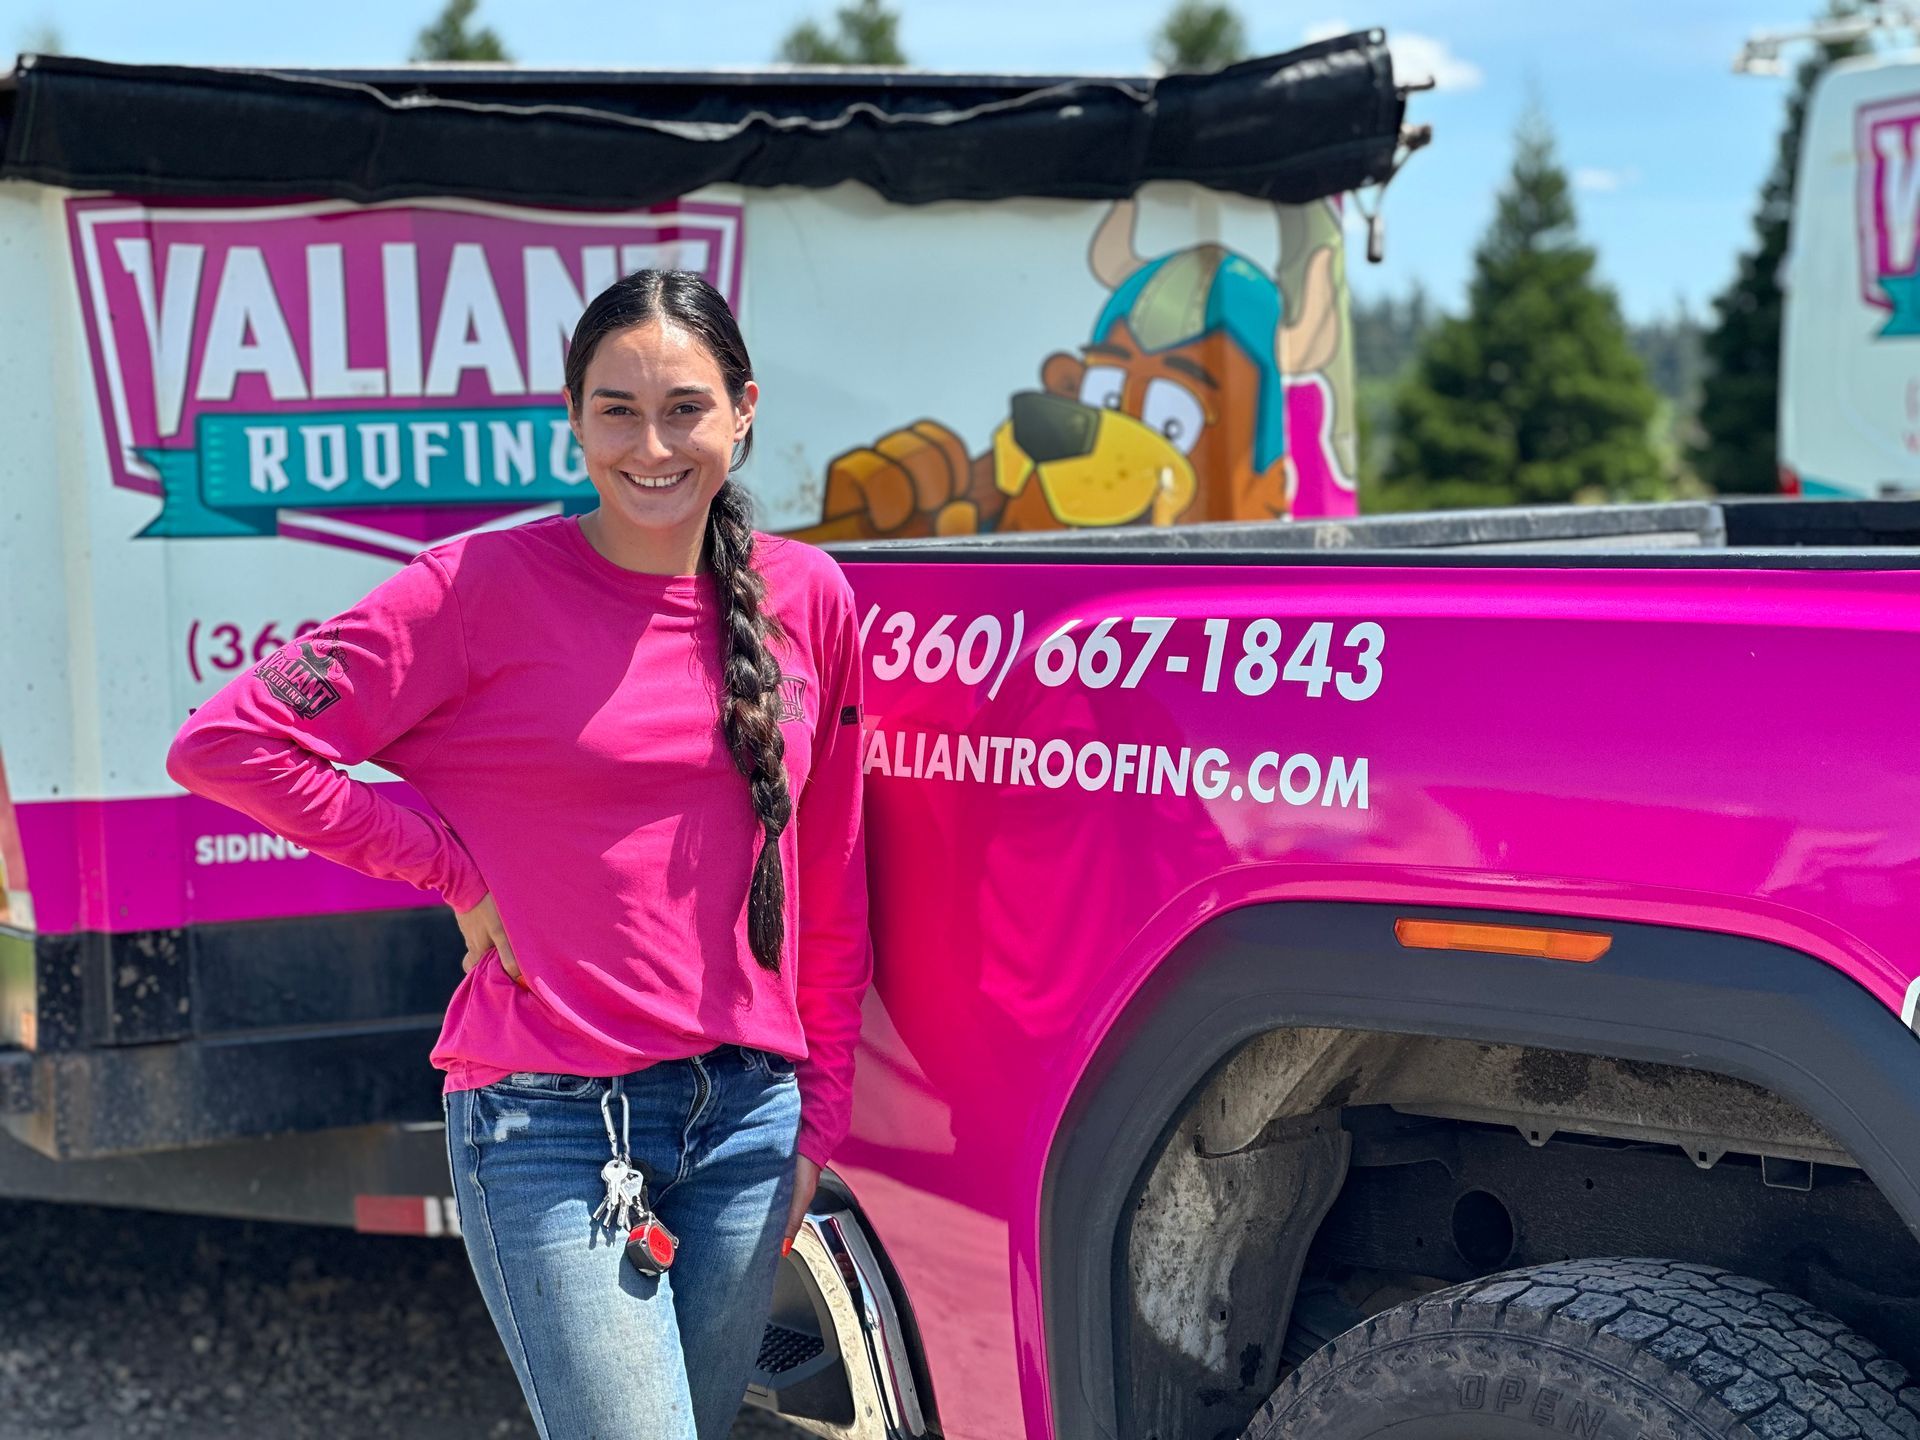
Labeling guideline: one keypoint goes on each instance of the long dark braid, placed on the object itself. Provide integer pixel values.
(750, 711)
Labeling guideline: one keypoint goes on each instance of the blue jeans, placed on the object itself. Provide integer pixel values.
(602, 1351)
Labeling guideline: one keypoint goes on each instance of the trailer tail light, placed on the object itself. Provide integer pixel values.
(1789, 480)
(405, 1215)
(1580, 946)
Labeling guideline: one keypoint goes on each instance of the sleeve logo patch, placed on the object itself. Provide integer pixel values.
(850, 715)
(296, 676)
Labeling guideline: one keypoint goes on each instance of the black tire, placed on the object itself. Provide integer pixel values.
(1603, 1350)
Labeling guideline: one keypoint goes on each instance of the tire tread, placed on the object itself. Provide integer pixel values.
(1746, 1360)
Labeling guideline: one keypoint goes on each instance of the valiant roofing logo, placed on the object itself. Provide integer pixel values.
(1887, 210)
(296, 675)
(375, 377)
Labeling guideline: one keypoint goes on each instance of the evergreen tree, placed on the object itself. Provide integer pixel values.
(1199, 35)
(449, 38)
(1740, 400)
(1534, 395)
(865, 33)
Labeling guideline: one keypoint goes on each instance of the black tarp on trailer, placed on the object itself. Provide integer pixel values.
(1290, 128)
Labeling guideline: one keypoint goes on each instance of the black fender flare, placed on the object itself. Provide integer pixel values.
(1741, 1007)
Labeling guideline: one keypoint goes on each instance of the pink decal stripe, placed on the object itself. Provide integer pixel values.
(163, 862)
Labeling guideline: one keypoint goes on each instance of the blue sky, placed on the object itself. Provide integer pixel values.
(1666, 145)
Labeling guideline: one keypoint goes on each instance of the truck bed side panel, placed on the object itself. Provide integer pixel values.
(1712, 750)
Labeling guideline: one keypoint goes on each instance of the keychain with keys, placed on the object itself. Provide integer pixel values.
(619, 1171)
(650, 1246)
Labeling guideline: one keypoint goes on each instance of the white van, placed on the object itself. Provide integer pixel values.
(1850, 351)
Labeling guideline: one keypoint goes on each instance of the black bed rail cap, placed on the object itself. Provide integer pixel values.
(1290, 128)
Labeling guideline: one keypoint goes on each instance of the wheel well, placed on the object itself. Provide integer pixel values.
(1320, 1175)
(1289, 1048)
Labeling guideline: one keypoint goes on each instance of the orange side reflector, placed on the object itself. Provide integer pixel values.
(1580, 946)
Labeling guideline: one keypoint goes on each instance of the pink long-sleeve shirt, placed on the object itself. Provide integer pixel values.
(560, 715)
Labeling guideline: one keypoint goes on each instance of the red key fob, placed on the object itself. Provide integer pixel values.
(651, 1247)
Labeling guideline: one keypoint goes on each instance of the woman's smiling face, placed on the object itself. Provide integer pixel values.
(658, 430)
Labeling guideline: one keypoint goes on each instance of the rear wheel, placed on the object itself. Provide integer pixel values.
(1605, 1349)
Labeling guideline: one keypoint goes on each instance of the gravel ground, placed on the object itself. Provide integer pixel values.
(124, 1325)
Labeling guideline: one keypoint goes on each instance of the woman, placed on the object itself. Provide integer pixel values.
(638, 732)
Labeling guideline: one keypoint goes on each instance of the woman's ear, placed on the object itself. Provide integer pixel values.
(573, 417)
(743, 412)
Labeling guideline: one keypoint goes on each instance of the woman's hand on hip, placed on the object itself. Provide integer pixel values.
(806, 1179)
(480, 927)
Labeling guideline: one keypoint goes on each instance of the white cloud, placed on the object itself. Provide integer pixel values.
(1416, 57)
(1595, 178)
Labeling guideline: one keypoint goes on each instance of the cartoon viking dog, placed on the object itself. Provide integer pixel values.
(1174, 410)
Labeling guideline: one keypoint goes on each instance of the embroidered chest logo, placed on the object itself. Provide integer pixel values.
(793, 693)
(296, 675)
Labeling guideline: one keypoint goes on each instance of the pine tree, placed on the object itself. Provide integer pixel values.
(449, 38)
(1740, 400)
(1534, 395)
(865, 33)
(1198, 35)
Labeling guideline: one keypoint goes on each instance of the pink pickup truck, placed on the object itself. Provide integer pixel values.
(1278, 939)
